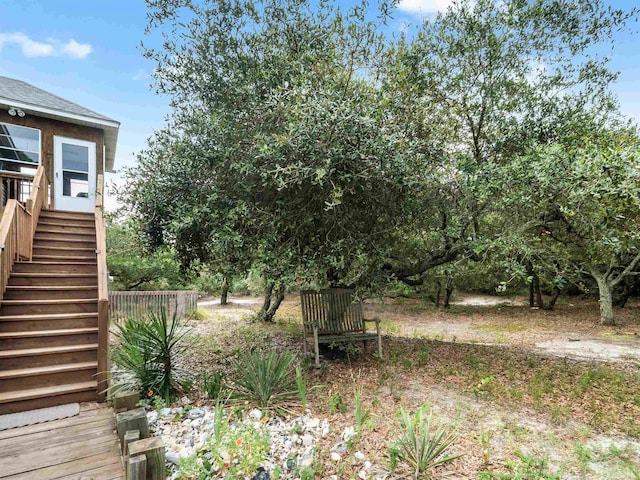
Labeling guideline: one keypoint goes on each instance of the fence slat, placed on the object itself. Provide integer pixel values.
(123, 305)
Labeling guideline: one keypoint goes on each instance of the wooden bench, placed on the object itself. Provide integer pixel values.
(335, 316)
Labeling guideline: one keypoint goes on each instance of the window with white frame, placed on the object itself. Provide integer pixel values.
(19, 149)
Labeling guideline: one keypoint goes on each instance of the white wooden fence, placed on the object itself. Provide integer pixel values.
(123, 305)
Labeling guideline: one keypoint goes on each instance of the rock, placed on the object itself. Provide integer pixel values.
(165, 411)
(306, 460)
(360, 456)
(348, 433)
(362, 474)
(255, 414)
(262, 474)
(172, 457)
(185, 400)
(152, 417)
(335, 456)
(334, 477)
(307, 440)
(367, 465)
(339, 447)
(313, 423)
(195, 413)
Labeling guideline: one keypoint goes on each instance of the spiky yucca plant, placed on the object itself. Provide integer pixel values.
(265, 378)
(421, 444)
(148, 352)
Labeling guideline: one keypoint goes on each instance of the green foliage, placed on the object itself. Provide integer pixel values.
(212, 384)
(335, 402)
(527, 468)
(421, 444)
(483, 387)
(265, 378)
(147, 354)
(234, 451)
(362, 414)
(301, 383)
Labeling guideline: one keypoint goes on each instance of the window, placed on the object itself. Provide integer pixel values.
(19, 149)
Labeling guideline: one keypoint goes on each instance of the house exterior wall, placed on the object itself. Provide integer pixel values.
(49, 128)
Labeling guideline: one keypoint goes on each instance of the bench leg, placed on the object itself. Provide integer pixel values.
(315, 339)
(379, 340)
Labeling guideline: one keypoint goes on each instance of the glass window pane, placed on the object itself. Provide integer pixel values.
(75, 157)
(19, 156)
(18, 131)
(75, 184)
(19, 143)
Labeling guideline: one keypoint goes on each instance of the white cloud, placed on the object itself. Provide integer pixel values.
(51, 48)
(423, 6)
(74, 49)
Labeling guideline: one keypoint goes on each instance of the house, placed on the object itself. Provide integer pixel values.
(53, 278)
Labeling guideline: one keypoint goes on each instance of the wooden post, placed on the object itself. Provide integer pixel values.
(124, 401)
(132, 420)
(129, 437)
(153, 448)
(137, 468)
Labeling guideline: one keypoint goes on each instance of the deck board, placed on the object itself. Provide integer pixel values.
(84, 446)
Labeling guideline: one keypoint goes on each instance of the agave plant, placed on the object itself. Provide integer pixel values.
(420, 443)
(148, 353)
(265, 378)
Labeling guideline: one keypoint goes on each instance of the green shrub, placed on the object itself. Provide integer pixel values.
(528, 468)
(265, 378)
(421, 444)
(147, 355)
(212, 384)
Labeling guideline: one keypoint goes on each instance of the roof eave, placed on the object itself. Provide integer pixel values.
(110, 127)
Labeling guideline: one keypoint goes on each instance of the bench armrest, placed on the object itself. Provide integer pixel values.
(377, 320)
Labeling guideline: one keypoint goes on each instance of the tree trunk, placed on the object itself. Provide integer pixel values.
(262, 313)
(532, 302)
(447, 292)
(226, 283)
(271, 311)
(538, 292)
(606, 299)
(553, 300)
(437, 294)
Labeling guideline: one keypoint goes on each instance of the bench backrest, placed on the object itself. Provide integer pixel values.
(335, 311)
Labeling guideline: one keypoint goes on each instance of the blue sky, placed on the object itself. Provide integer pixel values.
(87, 51)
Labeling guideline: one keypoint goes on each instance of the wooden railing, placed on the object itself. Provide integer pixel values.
(103, 293)
(18, 224)
(137, 305)
(16, 186)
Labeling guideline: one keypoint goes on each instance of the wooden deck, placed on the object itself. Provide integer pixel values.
(84, 447)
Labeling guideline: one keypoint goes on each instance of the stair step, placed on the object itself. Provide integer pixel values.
(47, 316)
(47, 333)
(65, 214)
(60, 231)
(46, 288)
(61, 268)
(66, 249)
(56, 301)
(65, 222)
(68, 258)
(55, 238)
(21, 395)
(32, 352)
(29, 372)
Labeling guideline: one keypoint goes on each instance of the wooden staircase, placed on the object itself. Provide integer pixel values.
(49, 317)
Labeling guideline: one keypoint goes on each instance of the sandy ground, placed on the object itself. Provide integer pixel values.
(571, 447)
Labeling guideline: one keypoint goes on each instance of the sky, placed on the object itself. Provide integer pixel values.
(88, 51)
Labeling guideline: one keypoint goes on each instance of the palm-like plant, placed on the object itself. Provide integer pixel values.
(148, 354)
(265, 378)
(421, 444)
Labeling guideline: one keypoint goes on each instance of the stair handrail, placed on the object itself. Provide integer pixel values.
(39, 197)
(103, 293)
(16, 239)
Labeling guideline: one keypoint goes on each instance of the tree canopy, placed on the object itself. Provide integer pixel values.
(308, 142)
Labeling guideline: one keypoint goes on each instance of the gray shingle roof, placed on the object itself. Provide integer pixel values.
(20, 91)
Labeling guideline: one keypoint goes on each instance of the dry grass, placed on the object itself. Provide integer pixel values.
(580, 415)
